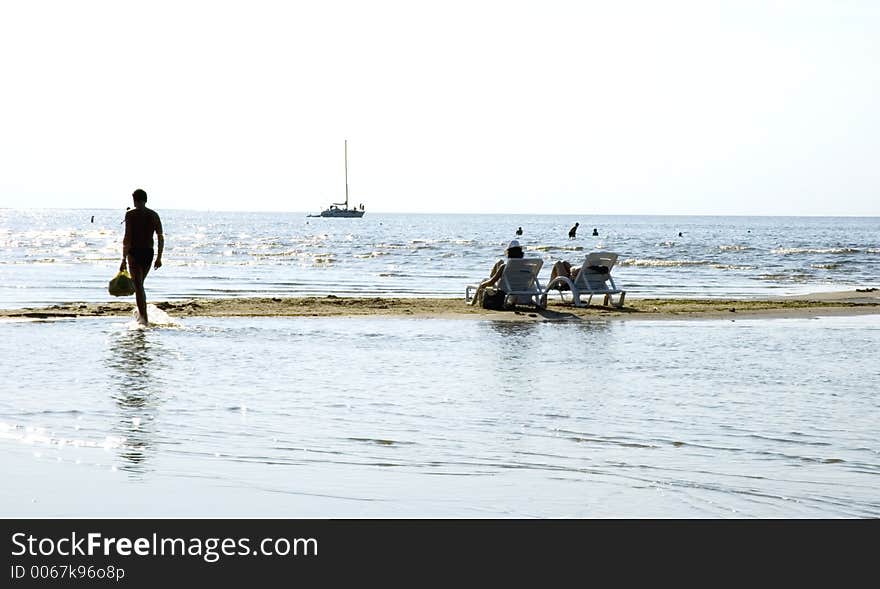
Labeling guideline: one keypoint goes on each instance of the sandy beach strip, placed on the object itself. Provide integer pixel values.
(855, 302)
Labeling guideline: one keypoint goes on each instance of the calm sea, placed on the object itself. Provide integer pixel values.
(388, 417)
(52, 256)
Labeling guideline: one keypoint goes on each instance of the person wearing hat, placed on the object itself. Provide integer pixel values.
(514, 250)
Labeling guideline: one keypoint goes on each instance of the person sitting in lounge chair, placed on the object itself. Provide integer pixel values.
(514, 250)
(592, 277)
(563, 268)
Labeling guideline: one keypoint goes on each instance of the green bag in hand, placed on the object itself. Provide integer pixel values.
(121, 285)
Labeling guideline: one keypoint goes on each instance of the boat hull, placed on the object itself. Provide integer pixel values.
(342, 213)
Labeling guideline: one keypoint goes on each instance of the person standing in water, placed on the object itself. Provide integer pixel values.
(519, 231)
(572, 233)
(137, 247)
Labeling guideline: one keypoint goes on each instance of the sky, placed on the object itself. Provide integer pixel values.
(673, 107)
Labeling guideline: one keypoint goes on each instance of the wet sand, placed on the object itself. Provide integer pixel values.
(855, 302)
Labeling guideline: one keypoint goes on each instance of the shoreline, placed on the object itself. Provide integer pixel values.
(855, 302)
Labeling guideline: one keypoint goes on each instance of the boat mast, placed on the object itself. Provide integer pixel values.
(346, 173)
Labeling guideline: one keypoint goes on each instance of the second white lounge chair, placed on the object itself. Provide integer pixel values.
(593, 278)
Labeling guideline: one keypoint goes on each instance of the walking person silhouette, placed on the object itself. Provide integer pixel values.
(137, 247)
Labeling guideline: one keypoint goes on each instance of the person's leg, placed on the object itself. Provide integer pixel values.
(561, 268)
(481, 288)
(139, 271)
(137, 276)
(478, 296)
(556, 270)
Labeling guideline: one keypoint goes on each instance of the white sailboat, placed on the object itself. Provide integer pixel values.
(334, 209)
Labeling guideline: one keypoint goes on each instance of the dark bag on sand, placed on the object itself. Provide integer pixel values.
(121, 285)
(493, 299)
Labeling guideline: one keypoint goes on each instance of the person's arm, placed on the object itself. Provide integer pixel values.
(497, 270)
(126, 244)
(160, 239)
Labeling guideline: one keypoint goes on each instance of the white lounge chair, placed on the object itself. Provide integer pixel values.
(519, 281)
(594, 278)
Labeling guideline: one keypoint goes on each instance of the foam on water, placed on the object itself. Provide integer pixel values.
(157, 318)
(808, 250)
(665, 263)
(38, 436)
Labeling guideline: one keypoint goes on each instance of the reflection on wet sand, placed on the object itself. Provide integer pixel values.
(514, 349)
(516, 337)
(506, 347)
(135, 360)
